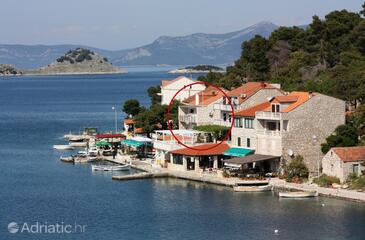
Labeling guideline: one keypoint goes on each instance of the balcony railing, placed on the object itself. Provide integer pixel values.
(188, 118)
(225, 107)
(268, 132)
(222, 123)
(268, 115)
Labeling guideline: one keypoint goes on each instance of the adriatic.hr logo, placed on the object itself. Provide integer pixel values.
(45, 228)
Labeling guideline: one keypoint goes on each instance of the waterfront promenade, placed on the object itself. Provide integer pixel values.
(213, 178)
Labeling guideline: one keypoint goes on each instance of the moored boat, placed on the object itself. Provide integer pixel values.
(78, 144)
(63, 147)
(67, 159)
(298, 194)
(252, 188)
(110, 167)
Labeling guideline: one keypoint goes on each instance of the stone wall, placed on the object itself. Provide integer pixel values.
(319, 116)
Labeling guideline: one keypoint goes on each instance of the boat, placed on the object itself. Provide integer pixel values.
(78, 144)
(63, 147)
(78, 138)
(93, 151)
(110, 167)
(252, 188)
(298, 194)
(67, 159)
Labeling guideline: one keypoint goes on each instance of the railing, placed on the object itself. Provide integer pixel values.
(222, 123)
(225, 107)
(268, 132)
(188, 118)
(268, 115)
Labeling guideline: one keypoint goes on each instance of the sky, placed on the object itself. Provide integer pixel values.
(122, 24)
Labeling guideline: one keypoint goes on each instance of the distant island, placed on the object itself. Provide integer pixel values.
(9, 70)
(197, 69)
(77, 61)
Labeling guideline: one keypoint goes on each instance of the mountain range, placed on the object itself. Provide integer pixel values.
(198, 48)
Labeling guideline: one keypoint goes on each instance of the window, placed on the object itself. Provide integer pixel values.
(286, 125)
(237, 122)
(275, 108)
(191, 111)
(224, 116)
(239, 141)
(355, 168)
(271, 126)
(248, 122)
(177, 159)
(248, 143)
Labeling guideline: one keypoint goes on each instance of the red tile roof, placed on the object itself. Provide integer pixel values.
(218, 150)
(251, 111)
(294, 98)
(249, 89)
(350, 154)
(110, 135)
(128, 121)
(207, 96)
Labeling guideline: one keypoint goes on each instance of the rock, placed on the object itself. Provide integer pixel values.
(78, 61)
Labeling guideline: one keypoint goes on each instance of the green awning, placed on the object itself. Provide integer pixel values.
(132, 143)
(102, 144)
(238, 152)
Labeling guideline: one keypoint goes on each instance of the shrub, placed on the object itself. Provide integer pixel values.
(358, 183)
(326, 181)
(296, 170)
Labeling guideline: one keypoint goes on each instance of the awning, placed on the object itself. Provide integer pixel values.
(211, 149)
(250, 158)
(132, 143)
(102, 144)
(238, 152)
(110, 135)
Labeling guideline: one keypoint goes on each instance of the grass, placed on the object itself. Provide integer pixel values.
(326, 181)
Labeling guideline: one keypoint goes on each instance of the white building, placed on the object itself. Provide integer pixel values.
(170, 87)
(342, 161)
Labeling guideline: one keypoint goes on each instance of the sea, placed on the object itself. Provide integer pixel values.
(43, 198)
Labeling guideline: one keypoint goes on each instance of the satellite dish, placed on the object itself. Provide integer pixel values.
(290, 152)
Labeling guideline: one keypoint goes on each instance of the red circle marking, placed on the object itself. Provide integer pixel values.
(168, 116)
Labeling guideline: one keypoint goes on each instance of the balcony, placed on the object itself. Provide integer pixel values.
(268, 132)
(188, 118)
(268, 115)
(225, 107)
(222, 123)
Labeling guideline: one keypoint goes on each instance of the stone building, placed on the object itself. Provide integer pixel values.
(290, 125)
(342, 161)
(212, 107)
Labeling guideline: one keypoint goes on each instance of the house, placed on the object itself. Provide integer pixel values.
(198, 109)
(170, 87)
(164, 142)
(289, 125)
(201, 157)
(211, 106)
(342, 161)
(245, 96)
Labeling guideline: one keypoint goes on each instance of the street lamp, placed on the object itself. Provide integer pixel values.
(315, 140)
(115, 118)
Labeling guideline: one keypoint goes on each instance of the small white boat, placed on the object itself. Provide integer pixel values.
(67, 159)
(77, 138)
(252, 188)
(110, 167)
(298, 194)
(78, 144)
(63, 147)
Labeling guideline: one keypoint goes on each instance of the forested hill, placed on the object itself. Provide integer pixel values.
(328, 56)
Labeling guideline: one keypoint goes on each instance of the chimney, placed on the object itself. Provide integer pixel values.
(263, 84)
(197, 99)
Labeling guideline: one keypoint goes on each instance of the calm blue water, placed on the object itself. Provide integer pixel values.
(35, 112)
